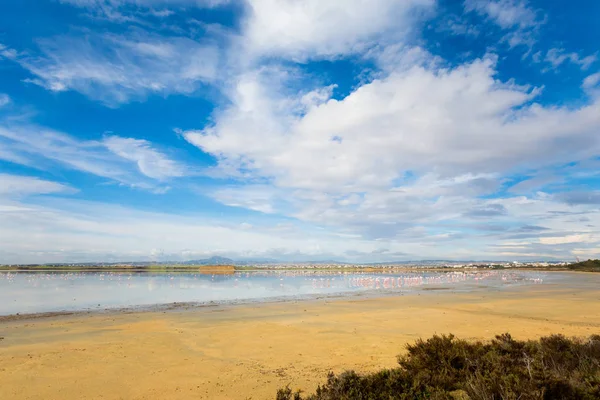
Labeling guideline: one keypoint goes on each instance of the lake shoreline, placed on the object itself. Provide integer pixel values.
(191, 306)
(426, 289)
(249, 350)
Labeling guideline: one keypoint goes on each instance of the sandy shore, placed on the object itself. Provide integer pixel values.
(248, 351)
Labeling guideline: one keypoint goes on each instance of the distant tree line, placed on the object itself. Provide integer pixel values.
(589, 265)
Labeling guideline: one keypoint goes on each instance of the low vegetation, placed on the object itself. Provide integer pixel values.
(157, 268)
(445, 368)
(589, 266)
(217, 269)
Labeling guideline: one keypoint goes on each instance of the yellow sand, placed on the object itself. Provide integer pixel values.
(248, 351)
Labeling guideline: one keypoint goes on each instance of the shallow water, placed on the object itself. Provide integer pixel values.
(34, 292)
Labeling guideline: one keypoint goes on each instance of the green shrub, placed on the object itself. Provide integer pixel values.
(589, 265)
(447, 368)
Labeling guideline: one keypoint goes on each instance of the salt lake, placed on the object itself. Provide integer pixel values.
(44, 291)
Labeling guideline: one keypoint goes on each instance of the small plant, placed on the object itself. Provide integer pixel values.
(446, 368)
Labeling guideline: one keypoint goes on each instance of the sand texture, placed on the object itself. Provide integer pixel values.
(248, 351)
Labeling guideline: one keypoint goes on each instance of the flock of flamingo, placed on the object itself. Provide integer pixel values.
(317, 280)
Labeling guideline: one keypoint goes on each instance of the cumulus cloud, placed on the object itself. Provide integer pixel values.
(116, 69)
(393, 160)
(315, 28)
(448, 120)
(414, 159)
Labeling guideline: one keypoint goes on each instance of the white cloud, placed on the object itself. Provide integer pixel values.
(447, 120)
(18, 185)
(408, 161)
(570, 239)
(129, 10)
(531, 184)
(68, 230)
(261, 198)
(149, 161)
(111, 158)
(314, 28)
(455, 25)
(63, 230)
(7, 154)
(4, 99)
(557, 57)
(7, 52)
(516, 18)
(505, 13)
(144, 3)
(116, 69)
(591, 81)
(394, 159)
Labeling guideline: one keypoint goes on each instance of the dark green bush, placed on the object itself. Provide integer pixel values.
(589, 265)
(446, 368)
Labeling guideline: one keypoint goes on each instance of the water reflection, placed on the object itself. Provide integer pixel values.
(28, 292)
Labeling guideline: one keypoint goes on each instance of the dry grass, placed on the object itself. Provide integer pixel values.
(217, 269)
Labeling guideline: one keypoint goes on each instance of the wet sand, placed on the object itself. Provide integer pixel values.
(248, 351)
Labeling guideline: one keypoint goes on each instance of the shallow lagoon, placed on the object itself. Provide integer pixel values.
(34, 292)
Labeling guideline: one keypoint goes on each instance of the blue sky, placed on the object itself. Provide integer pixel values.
(355, 130)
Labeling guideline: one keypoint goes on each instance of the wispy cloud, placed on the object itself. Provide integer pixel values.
(7, 52)
(145, 3)
(18, 185)
(517, 18)
(123, 11)
(150, 162)
(506, 13)
(4, 99)
(128, 161)
(456, 26)
(591, 84)
(556, 57)
(591, 81)
(117, 69)
(69, 230)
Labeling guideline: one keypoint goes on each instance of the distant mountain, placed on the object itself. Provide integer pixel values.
(216, 260)
(591, 265)
(250, 261)
(316, 262)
